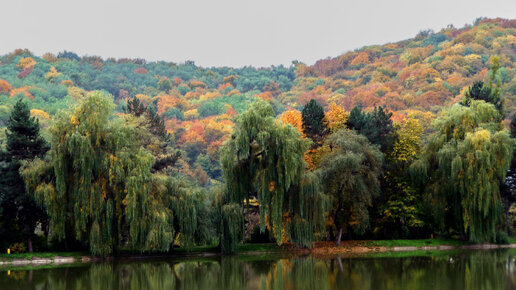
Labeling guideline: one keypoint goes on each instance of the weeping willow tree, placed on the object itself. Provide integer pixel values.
(351, 173)
(264, 159)
(462, 167)
(101, 191)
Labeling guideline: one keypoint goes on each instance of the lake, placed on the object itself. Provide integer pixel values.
(489, 269)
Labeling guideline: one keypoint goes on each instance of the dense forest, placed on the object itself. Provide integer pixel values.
(404, 140)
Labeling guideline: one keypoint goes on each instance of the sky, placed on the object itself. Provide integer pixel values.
(231, 33)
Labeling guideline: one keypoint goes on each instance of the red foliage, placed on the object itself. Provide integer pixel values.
(24, 73)
(141, 71)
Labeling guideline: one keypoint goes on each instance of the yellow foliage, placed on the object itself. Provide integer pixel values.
(40, 114)
(76, 93)
(144, 98)
(52, 75)
(408, 144)
(49, 57)
(26, 62)
(191, 114)
(336, 117)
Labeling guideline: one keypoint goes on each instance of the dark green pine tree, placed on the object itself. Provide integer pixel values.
(383, 129)
(313, 122)
(157, 127)
(376, 126)
(490, 92)
(20, 212)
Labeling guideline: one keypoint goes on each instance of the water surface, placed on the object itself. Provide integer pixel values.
(492, 269)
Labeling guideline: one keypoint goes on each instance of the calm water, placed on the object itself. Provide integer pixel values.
(462, 270)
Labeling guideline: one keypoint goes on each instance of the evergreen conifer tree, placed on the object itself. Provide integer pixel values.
(20, 212)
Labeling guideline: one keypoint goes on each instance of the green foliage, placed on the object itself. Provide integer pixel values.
(313, 121)
(103, 191)
(264, 159)
(174, 113)
(462, 166)
(490, 93)
(350, 173)
(19, 212)
(376, 126)
(23, 140)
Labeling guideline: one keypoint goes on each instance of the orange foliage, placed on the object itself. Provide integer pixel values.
(267, 96)
(361, 58)
(166, 102)
(22, 90)
(234, 92)
(224, 86)
(196, 84)
(67, 83)
(177, 81)
(294, 118)
(230, 111)
(5, 87)
(228, 79)
(194, 132)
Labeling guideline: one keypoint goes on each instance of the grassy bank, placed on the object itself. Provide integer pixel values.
(46, 255)
(257, 248)
(414, 243)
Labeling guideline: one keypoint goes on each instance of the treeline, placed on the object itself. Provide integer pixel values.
(417, 77)
(109, 182)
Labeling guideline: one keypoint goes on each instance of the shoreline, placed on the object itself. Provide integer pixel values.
(321, 249)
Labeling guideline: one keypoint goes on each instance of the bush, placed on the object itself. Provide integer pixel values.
(18, 248)
(502, 238)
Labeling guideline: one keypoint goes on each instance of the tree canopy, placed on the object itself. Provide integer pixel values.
(463, 165)
(264, 158)
(350, 173)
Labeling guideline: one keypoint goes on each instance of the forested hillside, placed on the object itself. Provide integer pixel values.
(417, 77)
(193, 121)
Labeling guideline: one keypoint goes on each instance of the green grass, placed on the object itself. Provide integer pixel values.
(414, 243)
(259, 248)
(30, 256)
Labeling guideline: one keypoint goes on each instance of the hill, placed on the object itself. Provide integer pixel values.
(418, 77)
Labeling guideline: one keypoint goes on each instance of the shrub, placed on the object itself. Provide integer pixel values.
(18, 248)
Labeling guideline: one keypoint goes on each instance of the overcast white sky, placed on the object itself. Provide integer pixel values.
(228, 32)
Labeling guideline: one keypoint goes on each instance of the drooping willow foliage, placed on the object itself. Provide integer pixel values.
(264, 158)
(101, 190)
(463, 165)
(351, 172)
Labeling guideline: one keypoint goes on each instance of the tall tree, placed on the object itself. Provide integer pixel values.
(156, 138)
(103, 193)
(400, 211)
(463, 164)
(376, 126)
(264, 158)
(20, 212)
(350, 174)
(314, 126)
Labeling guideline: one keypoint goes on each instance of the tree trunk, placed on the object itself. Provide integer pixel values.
(507, 224)
(339, 237)
(29, 244)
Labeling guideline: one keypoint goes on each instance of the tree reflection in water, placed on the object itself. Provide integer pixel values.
(462, 270)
